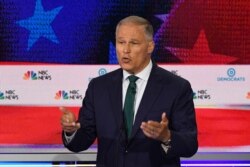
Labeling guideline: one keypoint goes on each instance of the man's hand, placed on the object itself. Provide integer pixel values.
(68, 121)
(157, 130)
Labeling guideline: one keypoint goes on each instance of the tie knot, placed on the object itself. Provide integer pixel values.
(132, 78)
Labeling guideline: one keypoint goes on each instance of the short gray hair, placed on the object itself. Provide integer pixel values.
(149, 31)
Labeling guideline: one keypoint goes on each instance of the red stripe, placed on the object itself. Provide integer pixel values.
(223, 127)
(41, 125)
(30, 125)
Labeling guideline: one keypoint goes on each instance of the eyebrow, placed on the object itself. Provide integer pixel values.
(121, 38)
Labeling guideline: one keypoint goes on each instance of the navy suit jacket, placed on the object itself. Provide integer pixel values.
(101, 117)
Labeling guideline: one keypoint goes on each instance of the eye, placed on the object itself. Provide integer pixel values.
(121, 42)
(134, 42)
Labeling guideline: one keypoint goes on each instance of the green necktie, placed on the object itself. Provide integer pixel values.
(129, 104)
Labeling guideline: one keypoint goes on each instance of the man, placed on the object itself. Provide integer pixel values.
(163, 126)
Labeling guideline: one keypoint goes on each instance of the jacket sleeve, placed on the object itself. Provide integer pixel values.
(86, 135)
(182, 124)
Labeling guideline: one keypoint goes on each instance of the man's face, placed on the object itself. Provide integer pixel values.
(133, 49)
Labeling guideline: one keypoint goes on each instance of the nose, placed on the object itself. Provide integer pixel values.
(126, 48)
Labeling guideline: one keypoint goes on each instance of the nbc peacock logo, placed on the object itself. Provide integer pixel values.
(194, 95)
(61, 94)
(1, 95)
(73, 94)
(30, 75)
(9, 95)
(38, 75)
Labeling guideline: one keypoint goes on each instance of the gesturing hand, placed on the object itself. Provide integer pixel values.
(68, 121)
(157, 130)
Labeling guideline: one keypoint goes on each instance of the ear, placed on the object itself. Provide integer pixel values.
(151, 46)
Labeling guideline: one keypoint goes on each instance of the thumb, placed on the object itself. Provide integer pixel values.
(78, 125)
(164, 118)
(64, 110)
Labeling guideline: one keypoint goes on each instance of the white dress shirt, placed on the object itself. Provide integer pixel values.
(140, 85)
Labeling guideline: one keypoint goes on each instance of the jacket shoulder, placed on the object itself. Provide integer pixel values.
(168, 76)
(110, 76)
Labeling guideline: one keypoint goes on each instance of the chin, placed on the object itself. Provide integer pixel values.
(126, 68)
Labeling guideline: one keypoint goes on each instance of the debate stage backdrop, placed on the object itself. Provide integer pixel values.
(51, 49)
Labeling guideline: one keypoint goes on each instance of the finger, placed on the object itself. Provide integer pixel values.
(69, 130)
(146, 126)
(146, 129)
(71, 126)
(148, 134)
(65, 118)
(154, 124)
(164, 118)
(68, 124)
(149, 130)
(157, 128)
(64, 110)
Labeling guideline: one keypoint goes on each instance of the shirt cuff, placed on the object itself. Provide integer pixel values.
(166, 146)
(68, 138)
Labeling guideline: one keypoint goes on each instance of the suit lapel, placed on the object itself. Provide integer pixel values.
(152, 90)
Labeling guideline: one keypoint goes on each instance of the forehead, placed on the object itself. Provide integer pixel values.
(130, 30)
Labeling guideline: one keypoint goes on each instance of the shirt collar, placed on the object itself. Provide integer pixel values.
(144, 74)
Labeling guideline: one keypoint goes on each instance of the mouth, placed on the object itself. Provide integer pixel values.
(125, 60)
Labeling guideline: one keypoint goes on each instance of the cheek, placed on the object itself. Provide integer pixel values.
(138, 59)
(142, 59)
(118, 52)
